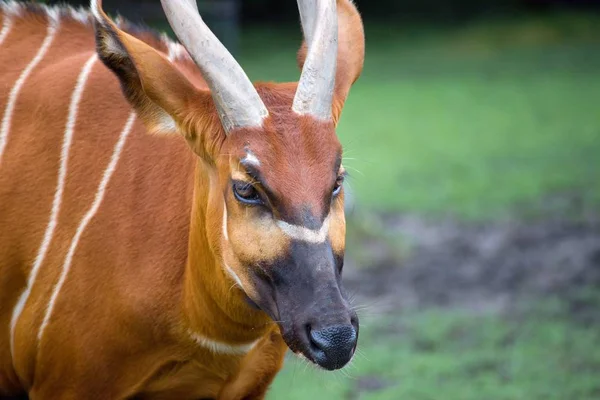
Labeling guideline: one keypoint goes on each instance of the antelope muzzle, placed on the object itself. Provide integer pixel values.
(303, 293)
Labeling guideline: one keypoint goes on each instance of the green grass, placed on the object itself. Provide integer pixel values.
(456, 356)
(473, 121)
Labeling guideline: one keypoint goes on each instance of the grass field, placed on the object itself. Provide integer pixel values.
(474, 122)
(455, 356)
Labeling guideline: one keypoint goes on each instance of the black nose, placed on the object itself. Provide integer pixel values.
(332, 347)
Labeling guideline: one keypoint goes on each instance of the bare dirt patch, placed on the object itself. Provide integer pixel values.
(477, 266)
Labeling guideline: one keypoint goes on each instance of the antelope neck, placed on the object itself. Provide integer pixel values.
(215, 309)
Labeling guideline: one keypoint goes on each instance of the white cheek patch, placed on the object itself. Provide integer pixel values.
(251, 158)
(227, 268)
(234, 276)
(225, 234)
(304, 234)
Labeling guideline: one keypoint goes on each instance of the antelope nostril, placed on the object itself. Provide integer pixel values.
(319, 341)
(316, 342)
(309, 331)
(333, 336)
(333, 346)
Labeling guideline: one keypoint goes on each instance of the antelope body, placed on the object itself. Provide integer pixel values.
(167, 229)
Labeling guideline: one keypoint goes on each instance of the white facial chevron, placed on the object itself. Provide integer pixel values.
(307, 235)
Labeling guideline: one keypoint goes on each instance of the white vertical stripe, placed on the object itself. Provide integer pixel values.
(234, 276)
(110, 169)
(6, 25)
(227, 268)
(62, 173)
(14, 93)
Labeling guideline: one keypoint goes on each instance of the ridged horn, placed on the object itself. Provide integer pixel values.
(236, 99)
(314, 95)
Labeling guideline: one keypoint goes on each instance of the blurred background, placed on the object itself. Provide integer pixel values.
(473, 145)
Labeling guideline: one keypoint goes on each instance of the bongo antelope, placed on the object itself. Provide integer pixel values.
(167, 228)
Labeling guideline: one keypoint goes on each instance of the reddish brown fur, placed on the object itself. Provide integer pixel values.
(147, 268)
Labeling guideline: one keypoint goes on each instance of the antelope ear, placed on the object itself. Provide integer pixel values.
(165, 100)
(351, 54)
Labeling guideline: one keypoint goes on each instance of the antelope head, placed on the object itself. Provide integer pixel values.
(275, 205)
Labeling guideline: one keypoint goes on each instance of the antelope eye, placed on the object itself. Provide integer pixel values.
(246, 193)
(338, 185)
